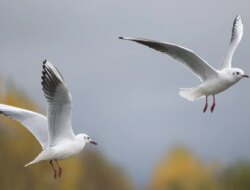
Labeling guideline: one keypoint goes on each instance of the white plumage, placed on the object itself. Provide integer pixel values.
(54, 132)
(213, 81)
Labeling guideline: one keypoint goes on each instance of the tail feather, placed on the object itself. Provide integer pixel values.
(33, 162)
(40, 157)
(191, 94)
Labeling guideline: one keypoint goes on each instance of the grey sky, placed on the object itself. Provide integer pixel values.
(125, 95)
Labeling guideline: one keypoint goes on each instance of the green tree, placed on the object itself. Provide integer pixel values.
(236, 177)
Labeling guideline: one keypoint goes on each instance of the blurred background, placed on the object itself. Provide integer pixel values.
(125, 95)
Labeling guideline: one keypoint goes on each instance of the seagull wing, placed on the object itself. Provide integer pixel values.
(59, 104)
(36, 123)
(187, 57)
(237, 33)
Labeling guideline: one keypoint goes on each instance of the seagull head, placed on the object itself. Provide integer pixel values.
(238, 74)
(87, 139)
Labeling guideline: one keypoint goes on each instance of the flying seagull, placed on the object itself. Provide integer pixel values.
(54, 132)
(213, 81)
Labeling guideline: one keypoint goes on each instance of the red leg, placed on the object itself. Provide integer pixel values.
(205, 108)
(213, 106)
(60, 169)
(55, 172)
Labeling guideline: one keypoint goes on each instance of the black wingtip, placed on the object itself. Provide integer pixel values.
(238, 17)
(44, 61)
(121, 38)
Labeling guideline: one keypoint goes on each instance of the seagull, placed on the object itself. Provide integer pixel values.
(54, 132)
(213, 80)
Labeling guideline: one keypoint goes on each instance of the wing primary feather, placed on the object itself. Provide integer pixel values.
(188, 58)
(236, 36)
(59, 104)
(50, 81)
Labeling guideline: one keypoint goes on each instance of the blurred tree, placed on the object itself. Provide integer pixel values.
(17, 146)
(109, 176)
(182, 171)
(236, 177)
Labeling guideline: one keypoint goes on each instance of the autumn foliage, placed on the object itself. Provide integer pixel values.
(90, 170)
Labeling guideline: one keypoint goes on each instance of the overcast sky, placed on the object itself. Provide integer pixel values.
(125, 95)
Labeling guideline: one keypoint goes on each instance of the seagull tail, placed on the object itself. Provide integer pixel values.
(191, 94)
(44, 155)
(37, 159)
(33, 162)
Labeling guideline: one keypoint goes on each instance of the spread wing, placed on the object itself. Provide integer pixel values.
(185, 56)
(59, 104)
(237, 33)
(36, 123)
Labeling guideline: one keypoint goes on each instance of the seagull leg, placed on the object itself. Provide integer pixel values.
(205, 108)
(60, 169)
(213, 106)
(55, 175)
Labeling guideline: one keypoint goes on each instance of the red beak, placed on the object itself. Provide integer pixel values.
(93, 142)
(246, 76)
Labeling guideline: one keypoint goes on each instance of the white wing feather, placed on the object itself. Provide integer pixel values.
(59, 104)
(237, 33)
(36, 123)
(187, 57)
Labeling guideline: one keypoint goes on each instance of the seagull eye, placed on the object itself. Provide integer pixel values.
(87, 137)
(237, 73)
